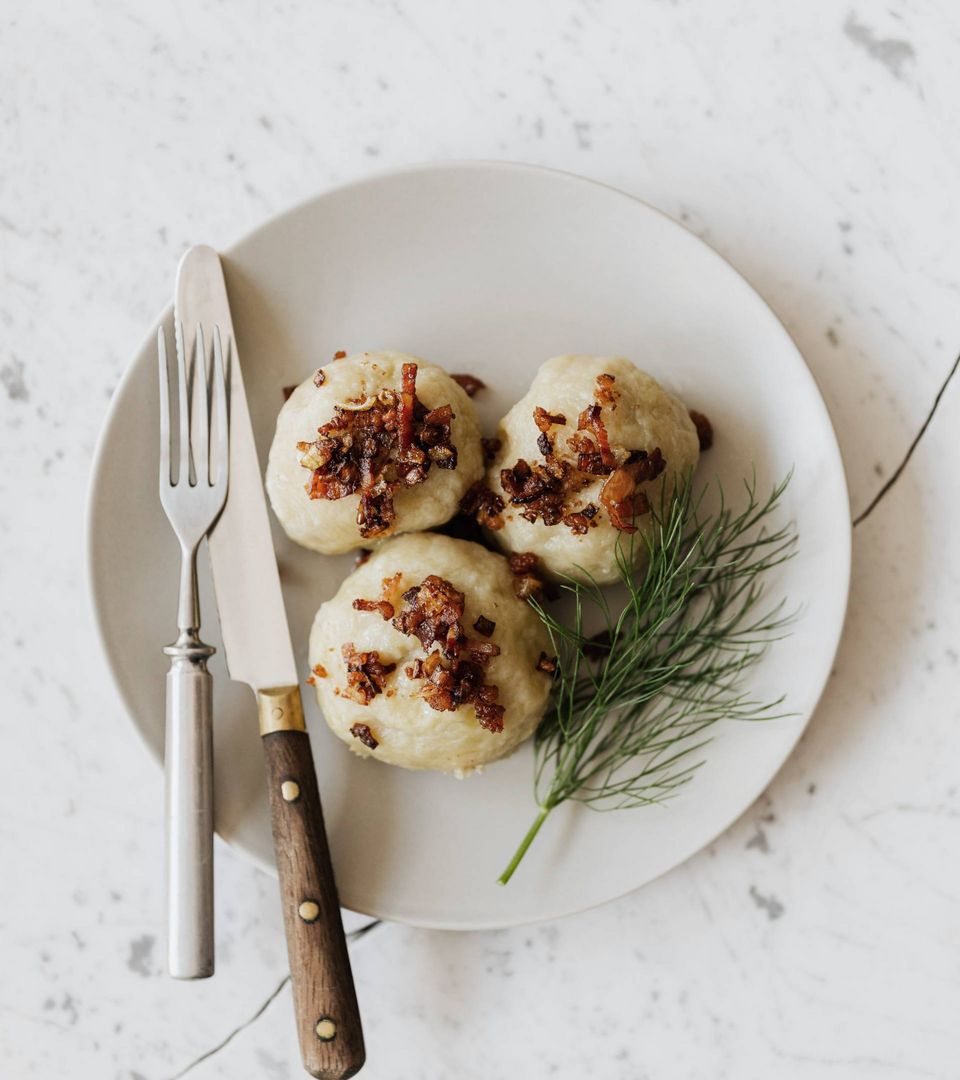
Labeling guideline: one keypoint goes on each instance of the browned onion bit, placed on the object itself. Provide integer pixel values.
(365, 735)
(539, 489)
(366, 675)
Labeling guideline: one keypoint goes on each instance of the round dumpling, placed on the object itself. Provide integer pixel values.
(372, 445)
(426, 658)
(592, 447)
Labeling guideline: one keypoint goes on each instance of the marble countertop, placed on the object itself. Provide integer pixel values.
(814, 145)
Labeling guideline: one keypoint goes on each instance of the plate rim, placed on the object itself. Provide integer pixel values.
(94, 584)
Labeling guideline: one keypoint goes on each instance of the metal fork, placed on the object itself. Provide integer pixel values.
(193, 500)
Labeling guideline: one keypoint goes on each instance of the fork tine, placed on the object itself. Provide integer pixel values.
(183, 474)
(164, 410)
(220, 404)
(201, 423)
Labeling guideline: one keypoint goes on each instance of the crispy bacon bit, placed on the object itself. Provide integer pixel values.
(287, 391)
(522, 562)
(366, 676)
(490, 715)
(365, 735)
(318, 672)
(545, 420)
(547, 663)
(619, 495)
(383, 606)
(374, 447)
(339, 355)
(484, 626)
(470, 383)
(408, 397)
(704, 429)
(539, 489)
(592, 420)
(454, 674)
(431, 612)
(491, 447)
(605, 393)
(483, 504)
(320, 378)
(526, 583)
(580, 521)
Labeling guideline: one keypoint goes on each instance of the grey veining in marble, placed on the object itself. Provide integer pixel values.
(815, 146)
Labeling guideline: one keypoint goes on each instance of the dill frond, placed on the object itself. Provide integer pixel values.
(626, 727)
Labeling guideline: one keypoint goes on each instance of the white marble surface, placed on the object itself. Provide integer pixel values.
(815, 146)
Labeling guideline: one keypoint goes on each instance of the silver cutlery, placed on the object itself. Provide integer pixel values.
(193, 497)
(258, 650)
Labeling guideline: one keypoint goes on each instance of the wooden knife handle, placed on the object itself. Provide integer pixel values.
(324, 997)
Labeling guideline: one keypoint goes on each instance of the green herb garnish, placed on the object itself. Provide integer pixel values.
(632, 703)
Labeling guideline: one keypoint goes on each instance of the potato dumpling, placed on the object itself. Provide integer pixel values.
(370, 446)
(593, 445)
(427, 659)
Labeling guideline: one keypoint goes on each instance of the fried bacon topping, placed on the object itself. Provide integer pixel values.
(366, 675)
(470, 383)
(526, 582)
(484, 626)
(605, 393)
(319, 378)
(365, 735)
(383, 606)
(619, 495)
(543, 491)
(484, 504)
(318, 672)
(454, 669)
(704, 429)
(377, 446)
(547, 663)
(339, 355)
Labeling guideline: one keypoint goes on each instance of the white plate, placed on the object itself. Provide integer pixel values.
(488, 269)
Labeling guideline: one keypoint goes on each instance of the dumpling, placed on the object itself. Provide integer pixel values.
(592, 447)
(427, 659)
(372, 445)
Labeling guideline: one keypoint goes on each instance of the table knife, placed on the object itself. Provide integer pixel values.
(258, 651)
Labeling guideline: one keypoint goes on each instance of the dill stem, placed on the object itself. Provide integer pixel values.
(524, 844)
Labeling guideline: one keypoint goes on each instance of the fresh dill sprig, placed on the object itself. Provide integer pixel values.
(632, 705)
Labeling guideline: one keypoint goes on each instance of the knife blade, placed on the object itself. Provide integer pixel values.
(258, 651)
(253, 622)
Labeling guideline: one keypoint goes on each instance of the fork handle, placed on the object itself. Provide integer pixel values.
(324, 996)
(189, 809)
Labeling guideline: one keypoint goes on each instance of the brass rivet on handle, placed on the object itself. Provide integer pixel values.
(290, 790)
(309, 911)
(326, 1029)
